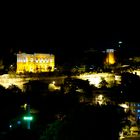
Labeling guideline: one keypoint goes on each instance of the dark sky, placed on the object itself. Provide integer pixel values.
(100, 30)
(71, 49)
(63, 46)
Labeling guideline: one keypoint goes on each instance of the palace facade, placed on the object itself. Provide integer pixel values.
(35, 63)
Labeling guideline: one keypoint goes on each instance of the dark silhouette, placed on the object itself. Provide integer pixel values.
(87, 122)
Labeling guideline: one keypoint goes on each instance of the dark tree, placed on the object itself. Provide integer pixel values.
(87, 122)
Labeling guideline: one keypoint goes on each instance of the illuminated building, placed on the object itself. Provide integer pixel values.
(35, 63)
(110, 58)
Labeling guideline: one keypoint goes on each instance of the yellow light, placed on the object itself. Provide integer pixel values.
(100, 97)
(35, 63)
(110, 59)
(124, 106)
(25, 106)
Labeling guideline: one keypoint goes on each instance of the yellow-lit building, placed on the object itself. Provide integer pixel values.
(110, 57)
(35, 63)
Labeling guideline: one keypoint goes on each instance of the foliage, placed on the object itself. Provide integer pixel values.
(10, 102)
(87, 122)
(103, 83)
(130, 86)
(73, 85)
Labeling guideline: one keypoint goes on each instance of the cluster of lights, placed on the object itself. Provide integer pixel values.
(37, 60)
(110, 50)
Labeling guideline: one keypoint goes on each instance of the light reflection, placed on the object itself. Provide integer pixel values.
(96, 78)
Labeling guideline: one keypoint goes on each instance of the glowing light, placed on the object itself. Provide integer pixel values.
(25, 106)
(120, 42)
(52, 86)
(29, 118)
(124, 106)
(96, 78)
(36, 61)
(110, 58)
(100, 99)
(10, 126)
(136, 72)
(18, 122)
(95, 81)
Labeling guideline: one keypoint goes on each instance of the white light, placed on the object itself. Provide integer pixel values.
(100, 97)
(120, 42)
(110, 50)
(10, 126)
(94, 80)
(46, 60)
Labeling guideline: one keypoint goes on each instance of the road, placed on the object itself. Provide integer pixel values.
(132, 138)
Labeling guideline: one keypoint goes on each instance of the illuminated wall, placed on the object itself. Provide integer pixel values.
(36, 62)
(110, 58)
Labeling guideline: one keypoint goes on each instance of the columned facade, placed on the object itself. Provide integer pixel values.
(35, 63)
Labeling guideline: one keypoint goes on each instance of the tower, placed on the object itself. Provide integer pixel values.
(110, 57)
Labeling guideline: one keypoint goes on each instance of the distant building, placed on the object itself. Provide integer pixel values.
(110, 57)
(1, 64)
(135, 108)
(35, 63)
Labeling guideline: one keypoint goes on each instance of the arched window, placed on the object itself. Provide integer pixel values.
(36, 60)
(46, 60)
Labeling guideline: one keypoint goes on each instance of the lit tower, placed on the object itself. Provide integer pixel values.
(110, 57)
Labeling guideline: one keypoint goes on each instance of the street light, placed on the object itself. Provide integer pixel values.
(120, 42)
(28, 118)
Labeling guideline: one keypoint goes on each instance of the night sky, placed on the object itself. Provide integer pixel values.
(102, 31)
(102, 26)
(71, 50)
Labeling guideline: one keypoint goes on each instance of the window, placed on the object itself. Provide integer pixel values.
(31, 59)
(41, 60)
(51, 60)
(46, 60)
(18, 60)
(24, 60)
(36, 60)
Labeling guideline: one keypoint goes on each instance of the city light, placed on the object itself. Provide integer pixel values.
(35, 62)
(100, 99)
(10, 126)
(110, 58)
(124, 106)
(120, 42)
(25, 106)
(28, 118)
(96, 78)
